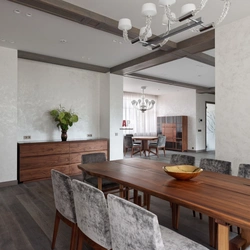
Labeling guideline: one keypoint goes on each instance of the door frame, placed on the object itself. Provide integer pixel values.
(206, 122)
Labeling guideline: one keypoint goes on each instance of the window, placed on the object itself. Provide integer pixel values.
(142, 123)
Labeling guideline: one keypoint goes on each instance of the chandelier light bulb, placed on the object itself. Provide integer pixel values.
(142, 30)
(165, 19)
(149, 9)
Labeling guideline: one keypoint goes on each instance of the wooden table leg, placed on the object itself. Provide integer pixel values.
(175, 215)
(212, 232)
(245, 234)
(121, 191)
(99, 183)
(223, 235)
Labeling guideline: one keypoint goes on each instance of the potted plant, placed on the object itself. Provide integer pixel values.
(64, 119)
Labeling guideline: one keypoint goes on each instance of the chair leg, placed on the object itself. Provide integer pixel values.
(147, 200)
(56, 226)
(80, 240)
(73, 240)
(200, 214)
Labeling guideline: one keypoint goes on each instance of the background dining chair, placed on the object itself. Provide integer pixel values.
(92, 216)
(128, 143)
(178, 159)
(244, 171)
(237, 242)
(160, 144)
(218, 166)
(134, 228)
(107, 185)
(65, 207)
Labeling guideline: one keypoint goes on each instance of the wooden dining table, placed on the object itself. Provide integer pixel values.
(144, 140)
(224, 198)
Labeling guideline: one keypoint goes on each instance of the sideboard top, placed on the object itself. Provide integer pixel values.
(59, 141)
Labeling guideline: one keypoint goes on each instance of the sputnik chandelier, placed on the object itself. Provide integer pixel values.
(188, 12)
(143, 104)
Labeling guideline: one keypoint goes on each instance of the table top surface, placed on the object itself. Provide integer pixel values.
(145, 137)
(219, 196)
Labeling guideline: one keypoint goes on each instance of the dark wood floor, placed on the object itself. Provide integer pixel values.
(27, 218)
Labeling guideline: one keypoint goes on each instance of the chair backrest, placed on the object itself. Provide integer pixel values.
(179, 159)
(95, 157)
(133, 227)
(244, 171)
(128, 141)
(63, 195)
(161, 141)
(218, 166)
(92, 213)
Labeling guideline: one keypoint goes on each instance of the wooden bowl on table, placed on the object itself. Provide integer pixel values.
(182, 172)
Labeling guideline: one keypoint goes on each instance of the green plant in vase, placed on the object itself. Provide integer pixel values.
(64, 119)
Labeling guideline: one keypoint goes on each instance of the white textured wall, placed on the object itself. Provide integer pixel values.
(42, 87)
(8, 110)
(178, 103)
(201, 100)
(116, 109)
(232, 53)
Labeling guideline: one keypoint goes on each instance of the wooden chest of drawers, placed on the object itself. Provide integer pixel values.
(36, 159)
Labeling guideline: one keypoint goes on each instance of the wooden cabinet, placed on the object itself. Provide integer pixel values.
(175, 128)
(36, 159)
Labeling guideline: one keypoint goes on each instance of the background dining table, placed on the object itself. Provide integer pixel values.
(224, 198)
(144, 140)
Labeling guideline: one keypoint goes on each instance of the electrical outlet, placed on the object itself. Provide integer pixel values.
(25, 137)
(116, 134)
(89, 135)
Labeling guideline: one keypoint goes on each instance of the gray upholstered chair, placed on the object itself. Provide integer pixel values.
(65, 207)
(218, 166)
(160, 144)
(178, 159)
(92, 216)
(134, 228)
(107, 185)
(244, 171)
(128, 143)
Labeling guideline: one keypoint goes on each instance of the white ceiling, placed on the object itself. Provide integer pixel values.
(41, 33)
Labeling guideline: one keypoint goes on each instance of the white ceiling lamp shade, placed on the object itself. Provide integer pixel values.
(188, 12)
(149, 9)
(125, 25)
(186, 8)
(143, 104)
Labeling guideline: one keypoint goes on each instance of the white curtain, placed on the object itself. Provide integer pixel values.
(142, 123)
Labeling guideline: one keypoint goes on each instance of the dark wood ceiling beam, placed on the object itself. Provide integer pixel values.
(60, 61)
(208, 91)
(203, 58)
(185, 48)
(83, 16)
(169, 82)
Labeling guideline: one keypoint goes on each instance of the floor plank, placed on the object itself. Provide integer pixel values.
(27, 213)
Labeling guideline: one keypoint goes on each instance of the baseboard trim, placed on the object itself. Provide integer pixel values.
(8, 183)
(197, 151)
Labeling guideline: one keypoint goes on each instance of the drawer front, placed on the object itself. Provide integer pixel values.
(74, 170)
(42, 173)
(88, 146)
(44, 161)
(36, 149)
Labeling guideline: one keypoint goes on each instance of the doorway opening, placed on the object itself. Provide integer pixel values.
(210, 126)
